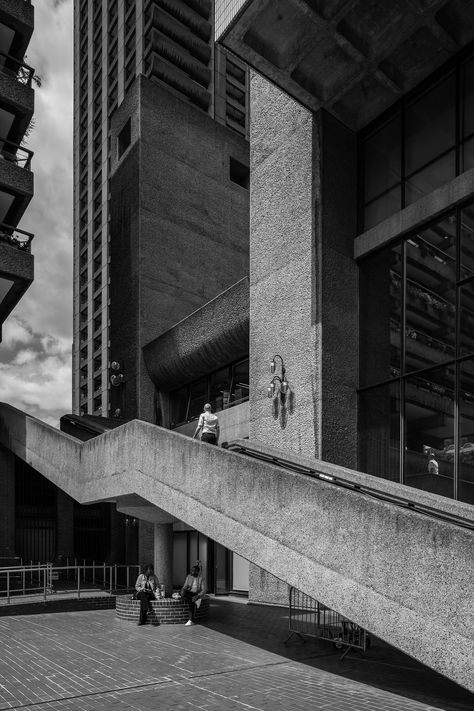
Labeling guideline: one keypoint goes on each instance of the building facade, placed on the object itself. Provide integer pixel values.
(16, 178)
(377, 137)
(171, 42)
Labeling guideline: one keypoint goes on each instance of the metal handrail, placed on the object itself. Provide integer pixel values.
(44, 575)
(24, 74)
(8, 232)
(23, 161)
(341, 482)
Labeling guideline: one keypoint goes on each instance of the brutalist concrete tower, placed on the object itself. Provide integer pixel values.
(170, 42)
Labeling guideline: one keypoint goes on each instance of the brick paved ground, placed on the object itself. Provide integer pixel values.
(81, 661)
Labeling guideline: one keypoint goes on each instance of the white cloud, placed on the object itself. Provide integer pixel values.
(35, 353)
(38, 377)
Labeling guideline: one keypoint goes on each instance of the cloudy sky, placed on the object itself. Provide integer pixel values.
(35, 353)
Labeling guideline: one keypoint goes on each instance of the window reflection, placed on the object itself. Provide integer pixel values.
(430, 128)
(468, 99)
(431, 295)
(417, 358)
(435, 174)
(466, 432)
(380, 312)
(379, 422)
(382, 169)
(466, 321)
(420, 147)
(223, 388)
(429, 431)
(198, 396)
(467, 241)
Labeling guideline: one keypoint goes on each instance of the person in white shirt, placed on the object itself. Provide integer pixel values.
(209, 424)
(193, 591)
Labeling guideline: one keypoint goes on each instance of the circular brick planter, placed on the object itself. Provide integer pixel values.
(165, 611)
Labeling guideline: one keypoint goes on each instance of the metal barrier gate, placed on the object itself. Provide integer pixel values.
(309, 618)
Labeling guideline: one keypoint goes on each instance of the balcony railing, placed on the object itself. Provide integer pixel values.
(13, 153)
(12, 66)
(17, 238)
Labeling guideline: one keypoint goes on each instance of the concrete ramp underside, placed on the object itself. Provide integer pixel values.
(406, 577)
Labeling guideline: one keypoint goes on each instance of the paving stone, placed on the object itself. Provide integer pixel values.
(92, 661)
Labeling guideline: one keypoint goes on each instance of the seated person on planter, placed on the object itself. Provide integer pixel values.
(193, 591)
(147, 587)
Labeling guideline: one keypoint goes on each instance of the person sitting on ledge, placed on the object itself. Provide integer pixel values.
(146, 586)
(193, 591)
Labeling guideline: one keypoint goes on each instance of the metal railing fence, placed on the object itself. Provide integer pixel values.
(310, 618)
(45, 579)
(17, 238)
(16, 68)
(15, 153)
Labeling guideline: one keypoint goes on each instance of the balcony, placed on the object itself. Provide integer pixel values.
(16, 94)
(16, 181)
(18, 15)
(16, 267)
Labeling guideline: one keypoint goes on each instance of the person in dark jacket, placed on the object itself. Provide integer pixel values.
(146, 586)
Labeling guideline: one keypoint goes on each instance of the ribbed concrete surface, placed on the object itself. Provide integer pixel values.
(405, 577)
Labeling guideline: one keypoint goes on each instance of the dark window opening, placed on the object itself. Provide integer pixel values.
(239, 173)
(124, 138)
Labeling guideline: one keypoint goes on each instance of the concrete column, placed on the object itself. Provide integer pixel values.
(303, 278)
(163, 560)
(7, 504)
(64, 527)
(303, 284)
(146, 543)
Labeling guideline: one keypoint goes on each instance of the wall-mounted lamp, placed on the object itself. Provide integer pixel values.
(278, 384)
(131, 522)
(116, 378)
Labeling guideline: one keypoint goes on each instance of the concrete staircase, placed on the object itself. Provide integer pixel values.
(405, 576)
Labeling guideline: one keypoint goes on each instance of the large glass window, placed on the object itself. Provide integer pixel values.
(423, 143)
(429, 430)
(223, 388)
(381, 313)
(430, 295)
(417, 358)
(466, 431)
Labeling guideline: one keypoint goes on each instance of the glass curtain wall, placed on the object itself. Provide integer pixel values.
(423, 142)
(416, 396)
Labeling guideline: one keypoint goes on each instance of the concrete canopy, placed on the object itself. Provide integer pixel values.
(352, 57)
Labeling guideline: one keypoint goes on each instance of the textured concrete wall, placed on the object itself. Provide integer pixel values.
(17, 95)
(215, 334)
(404, 576)
(283, 285)
(303, 281)
(191, 242)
